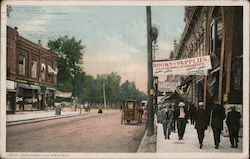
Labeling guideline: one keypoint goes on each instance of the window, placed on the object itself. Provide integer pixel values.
(34, 68)
(212, 38)
(21, 65)
(216, 37)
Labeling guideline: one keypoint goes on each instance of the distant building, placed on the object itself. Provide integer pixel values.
(31, 74)
(217, 32)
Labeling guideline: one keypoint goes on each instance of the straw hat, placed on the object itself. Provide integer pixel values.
(181, 104)
(200, 103)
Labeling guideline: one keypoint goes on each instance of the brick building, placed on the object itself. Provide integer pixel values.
(31, 74)
(216, 31)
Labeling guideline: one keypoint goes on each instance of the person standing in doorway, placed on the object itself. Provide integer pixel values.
(182, 120)
(218, 115)
(233, 124)
(202, 120)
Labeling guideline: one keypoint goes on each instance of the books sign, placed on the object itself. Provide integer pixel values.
(190, 66)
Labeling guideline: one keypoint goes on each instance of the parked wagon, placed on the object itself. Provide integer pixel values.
(132, 111)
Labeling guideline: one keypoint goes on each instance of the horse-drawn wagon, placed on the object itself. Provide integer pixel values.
(131, 111)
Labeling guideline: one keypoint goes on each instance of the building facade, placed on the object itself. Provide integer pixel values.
(31, 74)
(216, 31)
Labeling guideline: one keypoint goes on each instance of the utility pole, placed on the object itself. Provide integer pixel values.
(150, 114)
(104, 95)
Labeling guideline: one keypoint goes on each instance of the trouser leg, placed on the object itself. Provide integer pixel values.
(200, 135)
(216, 136)
(179, 127)
(231, 136)
(164, 128)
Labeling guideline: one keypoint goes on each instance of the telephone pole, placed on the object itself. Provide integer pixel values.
(150, 114)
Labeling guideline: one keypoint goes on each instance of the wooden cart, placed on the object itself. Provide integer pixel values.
(131, 111)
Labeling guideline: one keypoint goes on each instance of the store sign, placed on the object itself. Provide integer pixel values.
(63, 94)
(190, 66)
(167, 86)
(10, 84)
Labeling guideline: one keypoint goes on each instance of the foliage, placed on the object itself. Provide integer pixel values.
(70, 53)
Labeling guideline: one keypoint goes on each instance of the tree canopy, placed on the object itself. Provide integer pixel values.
(86, 88)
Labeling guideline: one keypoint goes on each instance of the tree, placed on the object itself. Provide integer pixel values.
(70, 53)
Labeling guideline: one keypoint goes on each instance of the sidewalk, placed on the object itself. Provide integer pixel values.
(190, 142)
(35, 116)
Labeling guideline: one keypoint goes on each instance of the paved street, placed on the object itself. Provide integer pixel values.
(90, 132)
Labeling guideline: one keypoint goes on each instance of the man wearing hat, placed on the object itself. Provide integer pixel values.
(202, 121)
(233, 124)
(182, 120)
(218, 115)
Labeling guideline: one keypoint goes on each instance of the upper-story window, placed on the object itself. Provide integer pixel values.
(34, 68)
(216, 37)
(21, 65)
(50, 71)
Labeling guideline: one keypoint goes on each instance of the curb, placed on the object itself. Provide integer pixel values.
(142, 142)
(34, 120)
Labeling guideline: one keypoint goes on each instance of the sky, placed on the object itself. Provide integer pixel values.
(114, 36)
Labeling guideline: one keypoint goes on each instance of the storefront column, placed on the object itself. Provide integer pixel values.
(222, 57)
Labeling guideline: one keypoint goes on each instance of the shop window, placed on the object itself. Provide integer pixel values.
(21, 65)
(34, 68)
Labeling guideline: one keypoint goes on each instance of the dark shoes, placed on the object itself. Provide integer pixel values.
(216, 147)
(232, 146)
(201, 146)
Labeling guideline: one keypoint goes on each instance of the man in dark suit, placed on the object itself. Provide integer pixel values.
(201, 118)
(233, 124)
(218, 115)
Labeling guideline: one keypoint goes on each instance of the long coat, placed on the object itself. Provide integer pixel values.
(201, 118)
(233, 120)
(218, 115)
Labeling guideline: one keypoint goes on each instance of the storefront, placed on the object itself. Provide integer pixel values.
(27, 97)
(10, 96)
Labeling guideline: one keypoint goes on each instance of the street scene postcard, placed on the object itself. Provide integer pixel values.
(124, 79)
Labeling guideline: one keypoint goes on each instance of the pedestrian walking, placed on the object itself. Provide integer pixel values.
(159, 114)
(233, 124)
(218, 115)
(170, 120)
(182, 120)
(167, 117)
(174, 123)
(202, 121)
(191, 113)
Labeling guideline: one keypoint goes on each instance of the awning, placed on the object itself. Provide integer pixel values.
(172, 97)
(26, 86)
(52, 71)
(185, 92)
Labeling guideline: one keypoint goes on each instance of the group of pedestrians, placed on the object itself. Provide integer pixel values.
(169, 115)
(212, 116)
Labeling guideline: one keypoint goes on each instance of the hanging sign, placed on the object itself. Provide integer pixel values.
(190, 66)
